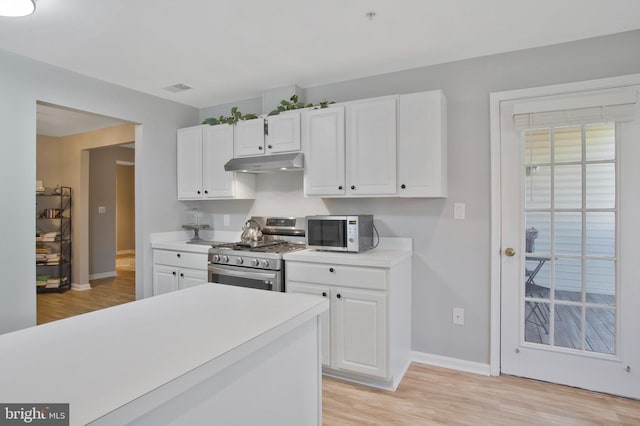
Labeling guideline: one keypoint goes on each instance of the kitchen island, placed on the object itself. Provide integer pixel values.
(210, 354)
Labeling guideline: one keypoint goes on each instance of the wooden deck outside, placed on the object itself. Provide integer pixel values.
(599, 322)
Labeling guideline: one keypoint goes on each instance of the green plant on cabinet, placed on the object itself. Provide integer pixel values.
(285, 105)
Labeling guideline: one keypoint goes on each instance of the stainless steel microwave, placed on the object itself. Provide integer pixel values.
(340, 233)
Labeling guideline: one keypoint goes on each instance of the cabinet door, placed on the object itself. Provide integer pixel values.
(217, 149)
(165, 279)
(248, 138)
(296, 287)
(323, 146)
(283, 132)
(189, 167)
(371, 147)
(192, 278)
(359, 331)
(422, 145)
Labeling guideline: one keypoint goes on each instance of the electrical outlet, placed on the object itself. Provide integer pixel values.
(458, 316)
(226, 220)
(102, 209)
(459, 211)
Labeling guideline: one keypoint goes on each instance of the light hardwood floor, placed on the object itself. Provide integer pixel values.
(104, 293)
(426, 396)
(438, 396)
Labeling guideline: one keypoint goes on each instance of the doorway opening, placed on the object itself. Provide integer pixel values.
(80, 150)
(125, 218)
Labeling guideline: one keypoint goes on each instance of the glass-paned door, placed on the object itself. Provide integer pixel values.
(569, 255)
(569, 284)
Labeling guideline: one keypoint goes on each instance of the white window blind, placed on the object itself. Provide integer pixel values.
(589, 107)
(570, 199)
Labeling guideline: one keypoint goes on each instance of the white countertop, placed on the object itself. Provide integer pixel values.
(390, 251)
(378, 257)
(178, 240)
(100, 361)
(182, 246)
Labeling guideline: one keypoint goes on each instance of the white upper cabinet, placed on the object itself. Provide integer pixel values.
(324, 151)
(350, 150)
(217, 149)
(189, 167)
(283, 132)
(202, 154)
(271, 135)
(248, 138)
(371, 147)
(422, 145)
(393, 146)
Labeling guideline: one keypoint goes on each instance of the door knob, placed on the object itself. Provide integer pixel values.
(510, 252)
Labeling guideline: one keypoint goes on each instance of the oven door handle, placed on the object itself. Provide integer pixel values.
(246, 273)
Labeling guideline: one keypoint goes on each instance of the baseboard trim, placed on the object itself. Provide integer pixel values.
(359, 379)
(80, 287)
(119, 252)
(452, 363)
(103, 275)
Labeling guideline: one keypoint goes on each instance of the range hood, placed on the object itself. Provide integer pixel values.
(266, 163)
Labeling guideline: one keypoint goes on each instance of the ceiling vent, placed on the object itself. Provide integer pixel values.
(176, 88)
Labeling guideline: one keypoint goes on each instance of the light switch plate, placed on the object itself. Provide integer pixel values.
(459, 211)
(458, 316)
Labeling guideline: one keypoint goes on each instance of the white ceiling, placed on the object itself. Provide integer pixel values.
(52, 120)
(234, 50)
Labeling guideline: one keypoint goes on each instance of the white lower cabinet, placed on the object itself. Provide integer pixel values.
(354, 330)
(366, 335)
(360, 329)
(174, 270)
(324, 291)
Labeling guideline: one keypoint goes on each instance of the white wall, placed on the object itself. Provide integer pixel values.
(22, 83)
(451, 262)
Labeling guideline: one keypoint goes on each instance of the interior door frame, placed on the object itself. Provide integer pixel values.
(495, 100)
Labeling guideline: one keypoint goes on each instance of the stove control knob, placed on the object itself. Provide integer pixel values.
(216, 258)
(254, 262)
(265, 263)
(239, 261)
(224, 259)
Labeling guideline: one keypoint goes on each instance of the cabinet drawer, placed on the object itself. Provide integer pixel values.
(346, 276)
(181, 259)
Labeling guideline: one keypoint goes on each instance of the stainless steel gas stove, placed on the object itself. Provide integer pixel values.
(258, 264)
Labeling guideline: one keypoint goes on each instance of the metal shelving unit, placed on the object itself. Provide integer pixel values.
(53, 240)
